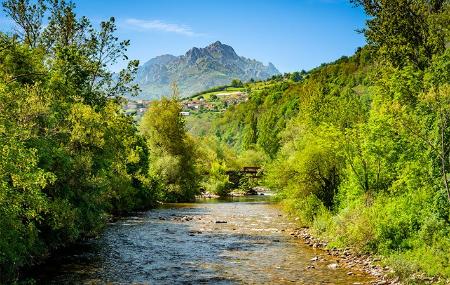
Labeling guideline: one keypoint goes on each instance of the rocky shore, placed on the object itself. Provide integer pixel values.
(346, 258)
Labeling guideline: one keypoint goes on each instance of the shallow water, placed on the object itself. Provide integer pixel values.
(184, 244)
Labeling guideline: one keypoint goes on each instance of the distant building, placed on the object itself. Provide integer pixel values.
(185, 113)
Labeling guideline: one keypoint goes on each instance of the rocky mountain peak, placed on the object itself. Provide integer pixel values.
(193, 54)
(198, 69)
(219, 50)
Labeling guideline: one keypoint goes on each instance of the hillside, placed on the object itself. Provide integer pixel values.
(198, 70)
(357, 150)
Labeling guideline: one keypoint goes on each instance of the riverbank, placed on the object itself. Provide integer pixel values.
(351, 260)
(255, 191)
(348, 259)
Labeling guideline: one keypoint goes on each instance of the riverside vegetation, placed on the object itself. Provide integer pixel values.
(70, 157)
(357, 149)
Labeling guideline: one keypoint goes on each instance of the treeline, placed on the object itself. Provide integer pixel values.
(70, 157)
(359, 150)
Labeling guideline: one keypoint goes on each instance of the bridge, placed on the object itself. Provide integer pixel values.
(254, 171)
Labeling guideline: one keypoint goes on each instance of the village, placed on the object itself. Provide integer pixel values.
(216, 102)
(136, 108)
(211, 102)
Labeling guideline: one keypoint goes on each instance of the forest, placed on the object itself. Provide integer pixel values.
(357, 149)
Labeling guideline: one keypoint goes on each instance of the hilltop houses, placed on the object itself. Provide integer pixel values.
(211, 102)
(137, 108)
(215, 102)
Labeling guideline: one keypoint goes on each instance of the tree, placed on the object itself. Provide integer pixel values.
(70, 157)
(407, 31)
(237, 83)
(295, 76)
(171, 149)
(28, 18)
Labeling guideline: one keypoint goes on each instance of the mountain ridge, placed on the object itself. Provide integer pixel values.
(197, 70)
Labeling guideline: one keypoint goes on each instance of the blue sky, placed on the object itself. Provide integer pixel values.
(292, 34)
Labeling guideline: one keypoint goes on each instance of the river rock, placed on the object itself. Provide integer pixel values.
(186, 219)
(333, 266)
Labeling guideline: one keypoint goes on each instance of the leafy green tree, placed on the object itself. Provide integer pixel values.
(268, 128)
(407, 31)
(296, 76)
(70, 157)
(237, 83)
(172, 151)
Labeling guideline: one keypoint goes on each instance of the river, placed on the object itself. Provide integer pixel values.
(244, 241)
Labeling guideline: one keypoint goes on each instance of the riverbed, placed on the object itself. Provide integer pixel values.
(239, 241)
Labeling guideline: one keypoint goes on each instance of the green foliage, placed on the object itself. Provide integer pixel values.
(218, 181)
(214, 160)
(407, 32)
(390, 148)
(236, 83)
(70, 158)
(172, 153)
(296, 76)
(358, 149)
(310, 166)
(258, 122)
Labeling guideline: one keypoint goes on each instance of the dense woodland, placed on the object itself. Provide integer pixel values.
(70, 157)
(357, 149)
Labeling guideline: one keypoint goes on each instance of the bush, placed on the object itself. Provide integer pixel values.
(218, 182)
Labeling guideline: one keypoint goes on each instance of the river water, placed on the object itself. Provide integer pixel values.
(212, 242)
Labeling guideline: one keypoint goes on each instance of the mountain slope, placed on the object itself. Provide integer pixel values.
(197, 70)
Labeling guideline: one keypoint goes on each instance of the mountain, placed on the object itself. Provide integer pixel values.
(198, 70)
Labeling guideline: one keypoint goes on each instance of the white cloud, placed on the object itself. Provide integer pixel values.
(157, 25)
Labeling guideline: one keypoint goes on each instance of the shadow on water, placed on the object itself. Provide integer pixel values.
(212, 242)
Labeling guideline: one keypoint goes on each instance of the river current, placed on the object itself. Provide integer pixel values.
(241, 241)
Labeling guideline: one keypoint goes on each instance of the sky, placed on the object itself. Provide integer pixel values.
(292, 34)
